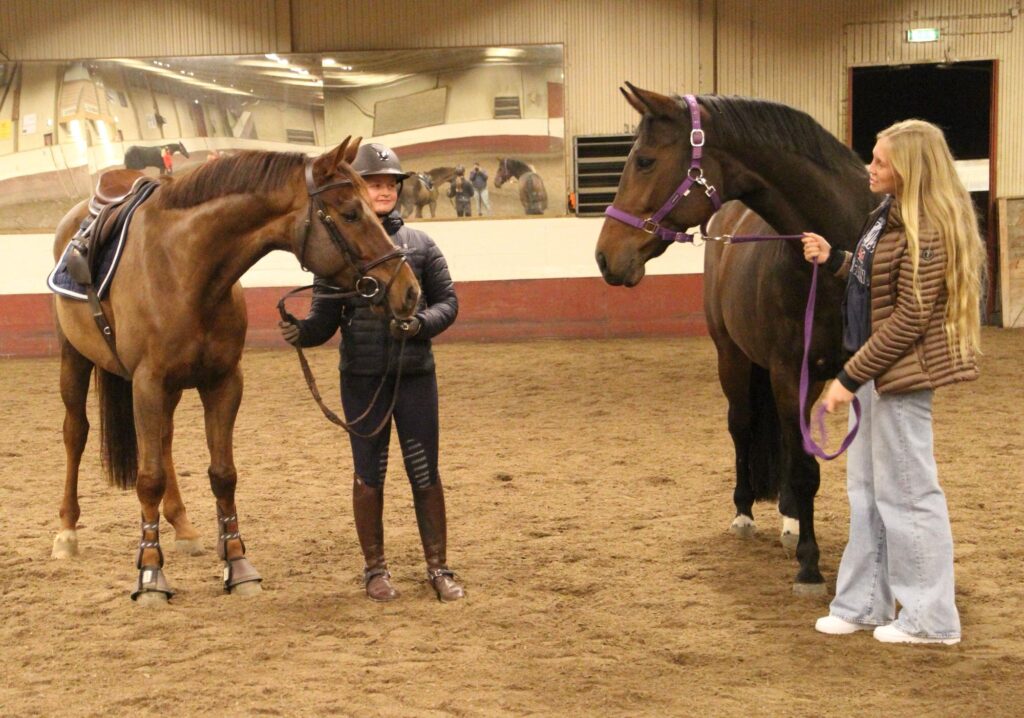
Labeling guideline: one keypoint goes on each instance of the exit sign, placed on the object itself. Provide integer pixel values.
(923, 34)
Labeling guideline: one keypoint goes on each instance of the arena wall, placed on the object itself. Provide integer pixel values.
(794, 51)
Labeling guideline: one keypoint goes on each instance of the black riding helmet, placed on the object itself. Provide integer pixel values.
(375, 159)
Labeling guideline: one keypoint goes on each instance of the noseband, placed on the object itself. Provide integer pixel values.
(694, 175)
(366, 286)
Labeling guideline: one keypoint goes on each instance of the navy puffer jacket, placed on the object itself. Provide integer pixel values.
(367, 348)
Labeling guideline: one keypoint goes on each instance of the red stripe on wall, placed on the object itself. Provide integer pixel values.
(507, 310)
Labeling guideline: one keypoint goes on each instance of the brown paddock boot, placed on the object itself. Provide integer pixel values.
(430, 516)
(368, 508)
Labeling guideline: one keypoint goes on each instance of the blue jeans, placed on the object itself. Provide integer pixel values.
(900, 546)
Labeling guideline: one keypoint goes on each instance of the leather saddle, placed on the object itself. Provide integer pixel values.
(114, 195)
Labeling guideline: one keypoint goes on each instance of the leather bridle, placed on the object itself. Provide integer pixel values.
(367, 287)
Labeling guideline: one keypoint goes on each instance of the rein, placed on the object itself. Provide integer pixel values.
(652, 225)
(366, 287)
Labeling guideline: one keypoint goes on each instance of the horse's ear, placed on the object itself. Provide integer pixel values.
(326, 163)
(352, 148)
(653, 103)
(632, 100)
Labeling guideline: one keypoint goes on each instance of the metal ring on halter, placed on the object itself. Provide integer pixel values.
(371, 282)
(694, 133)
(650, 226)
(696, 174)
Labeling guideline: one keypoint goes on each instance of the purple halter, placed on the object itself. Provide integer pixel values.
(694, 175)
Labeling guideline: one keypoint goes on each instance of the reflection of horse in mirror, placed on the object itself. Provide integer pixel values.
(138, 157)
(798, 177)
(532, 194)
(180, 320)
(418, 192)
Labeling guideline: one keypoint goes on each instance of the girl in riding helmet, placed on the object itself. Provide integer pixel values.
(369, 355)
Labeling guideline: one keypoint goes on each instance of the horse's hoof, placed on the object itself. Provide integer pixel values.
(810, 589)
(249, 588)
(65, 544)
(743, 526)
(155, 599)
(188, 547)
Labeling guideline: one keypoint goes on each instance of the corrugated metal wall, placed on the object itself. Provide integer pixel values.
(793, 51)
(63, 29)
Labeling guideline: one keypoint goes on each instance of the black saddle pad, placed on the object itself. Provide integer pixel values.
(60, 280)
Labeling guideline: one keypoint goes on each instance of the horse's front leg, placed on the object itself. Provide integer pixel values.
(734, 378)
(186, 538)
(153, 408)
(75, 370)
(802, 474)
(221, 399)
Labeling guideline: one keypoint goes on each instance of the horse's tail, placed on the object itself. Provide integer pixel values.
(118, 446)
(765, 436)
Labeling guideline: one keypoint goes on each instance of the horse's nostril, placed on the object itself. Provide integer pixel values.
(411, 297)
(602, 263)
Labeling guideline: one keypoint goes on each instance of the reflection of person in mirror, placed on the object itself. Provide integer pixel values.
(165, 155)
(478, 178)
(461, 190)
(375, 355)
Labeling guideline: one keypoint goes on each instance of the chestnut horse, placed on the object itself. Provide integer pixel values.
(179, 321)
(797, 177)
(532, 194)
(416, 195)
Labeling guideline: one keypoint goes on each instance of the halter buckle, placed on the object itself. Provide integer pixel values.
(650, 226)
(696, 137)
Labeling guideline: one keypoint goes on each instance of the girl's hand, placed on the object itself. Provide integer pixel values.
(836, 396)
(816, 249)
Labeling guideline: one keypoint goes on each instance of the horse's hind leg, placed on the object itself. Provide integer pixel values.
(220, 403)
(75, 371)
(186, 538)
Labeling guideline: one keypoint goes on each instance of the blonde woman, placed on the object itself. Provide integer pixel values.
(912, 325)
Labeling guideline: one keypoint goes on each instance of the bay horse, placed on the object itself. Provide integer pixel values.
(532, 194)
(416, 194)
(179, 320)
(138, 157)
(790, 175)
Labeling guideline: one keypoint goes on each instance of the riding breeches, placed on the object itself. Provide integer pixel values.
(415, 417)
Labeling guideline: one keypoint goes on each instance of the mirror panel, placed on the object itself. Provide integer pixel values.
(62, 123)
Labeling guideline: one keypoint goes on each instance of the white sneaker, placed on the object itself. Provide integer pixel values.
(836, 626)
(892, 634)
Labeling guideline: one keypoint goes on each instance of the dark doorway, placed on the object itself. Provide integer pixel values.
(958, 97)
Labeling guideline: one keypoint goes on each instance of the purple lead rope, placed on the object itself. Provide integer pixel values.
(810, 446)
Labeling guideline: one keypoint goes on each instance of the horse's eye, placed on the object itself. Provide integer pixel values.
(350, 216)
(644, 162)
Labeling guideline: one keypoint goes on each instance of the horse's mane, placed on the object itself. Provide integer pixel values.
(516, 165)
(742, 122)
(248, 172)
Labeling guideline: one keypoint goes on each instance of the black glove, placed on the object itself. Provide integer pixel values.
(290, 331)
(405, 328)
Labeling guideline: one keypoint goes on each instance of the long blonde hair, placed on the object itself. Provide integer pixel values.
(927, 185)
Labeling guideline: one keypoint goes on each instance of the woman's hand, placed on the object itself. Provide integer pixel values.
(289, 332)
(836, 396)
(816, 248)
